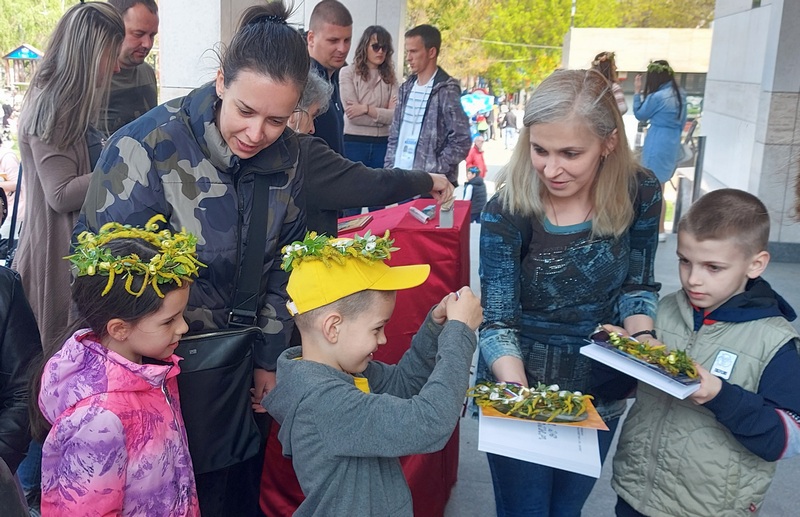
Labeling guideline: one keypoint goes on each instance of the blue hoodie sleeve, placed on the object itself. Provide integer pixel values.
(766, 422)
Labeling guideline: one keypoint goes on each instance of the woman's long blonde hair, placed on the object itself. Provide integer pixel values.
(585, 95)
(72, 81)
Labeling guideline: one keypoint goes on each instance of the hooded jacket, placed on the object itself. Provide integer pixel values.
(118, 444)
(444, 139)
(344, 443)
(679, 459)
(174, 161)
(19, 346)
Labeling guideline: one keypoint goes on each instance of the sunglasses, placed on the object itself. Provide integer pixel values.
(377, 47)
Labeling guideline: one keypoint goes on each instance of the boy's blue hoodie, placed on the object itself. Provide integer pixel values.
(752, 417)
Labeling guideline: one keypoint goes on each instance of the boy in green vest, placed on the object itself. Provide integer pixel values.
(714, 453)
(345, 419)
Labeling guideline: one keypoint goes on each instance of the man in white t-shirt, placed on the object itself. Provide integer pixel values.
(430, 130)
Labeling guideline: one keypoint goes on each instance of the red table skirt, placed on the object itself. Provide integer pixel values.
(430, 476)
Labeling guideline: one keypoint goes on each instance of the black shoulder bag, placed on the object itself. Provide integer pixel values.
(217, 367)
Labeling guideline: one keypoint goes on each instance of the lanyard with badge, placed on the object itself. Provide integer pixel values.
(410, 143)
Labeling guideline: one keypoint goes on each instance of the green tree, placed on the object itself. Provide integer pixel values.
(516, 43)
(29, 21)
(667, 13)
(525, 36)
(459, 22)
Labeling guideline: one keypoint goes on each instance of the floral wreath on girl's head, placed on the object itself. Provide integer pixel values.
(368, 248)
(605, 56)
(657, 68)
(175, 260)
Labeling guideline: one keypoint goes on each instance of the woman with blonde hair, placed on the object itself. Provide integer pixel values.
(58, 148)
(567, 242)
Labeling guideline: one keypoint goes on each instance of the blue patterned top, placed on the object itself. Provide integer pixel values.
(540, 305)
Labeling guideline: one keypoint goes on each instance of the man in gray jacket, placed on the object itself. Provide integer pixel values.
(430, 130)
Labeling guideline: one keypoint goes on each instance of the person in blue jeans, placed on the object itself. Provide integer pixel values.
(369, 93)
(568, 241)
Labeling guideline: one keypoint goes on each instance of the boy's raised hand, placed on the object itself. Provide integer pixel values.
(439, 313)
(465, 307)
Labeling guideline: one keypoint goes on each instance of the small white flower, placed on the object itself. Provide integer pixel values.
(553, 387)
(370, 246)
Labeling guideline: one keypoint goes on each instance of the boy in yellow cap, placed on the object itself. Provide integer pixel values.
(345, 419)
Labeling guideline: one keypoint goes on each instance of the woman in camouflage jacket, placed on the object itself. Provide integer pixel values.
(194, 159)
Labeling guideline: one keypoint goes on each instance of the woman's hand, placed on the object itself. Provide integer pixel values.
(354, 110)
(442, 190)
(509, 369)
(263, 381)
(613, 328)
(637, 84)
(710, 386)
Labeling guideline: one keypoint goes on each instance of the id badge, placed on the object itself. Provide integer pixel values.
(723, 364)
(409, 147)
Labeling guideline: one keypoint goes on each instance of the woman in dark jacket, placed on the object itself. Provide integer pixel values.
(334, 183)
(195, 160)
(19, 347)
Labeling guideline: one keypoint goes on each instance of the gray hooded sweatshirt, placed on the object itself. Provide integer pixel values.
(344, 443)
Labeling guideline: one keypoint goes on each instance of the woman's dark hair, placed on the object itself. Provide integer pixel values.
(266, 45)
(382, 37)
(95, 311)
(658, 73)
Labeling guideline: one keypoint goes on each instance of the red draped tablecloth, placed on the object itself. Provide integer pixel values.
(430, 476)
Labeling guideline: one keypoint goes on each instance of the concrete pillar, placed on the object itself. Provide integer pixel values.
(751, 110)
(191, 31)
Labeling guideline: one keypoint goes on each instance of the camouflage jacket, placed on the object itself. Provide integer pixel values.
(174, 161)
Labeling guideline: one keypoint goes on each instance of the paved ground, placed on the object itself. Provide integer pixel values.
(473, 495)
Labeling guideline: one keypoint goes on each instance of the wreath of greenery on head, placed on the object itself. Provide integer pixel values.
(605, 56)
(368, 248)
(175, 261)
(657, 68)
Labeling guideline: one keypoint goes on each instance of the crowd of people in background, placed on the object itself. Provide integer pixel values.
(143, 213)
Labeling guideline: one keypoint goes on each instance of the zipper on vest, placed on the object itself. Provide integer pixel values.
(655, 447)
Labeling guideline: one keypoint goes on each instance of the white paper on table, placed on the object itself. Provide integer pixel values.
(564, 447)
(639, 371)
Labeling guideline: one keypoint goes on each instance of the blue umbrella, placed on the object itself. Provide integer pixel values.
(474, 103)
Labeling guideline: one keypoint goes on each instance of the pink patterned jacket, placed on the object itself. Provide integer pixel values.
(118, 443)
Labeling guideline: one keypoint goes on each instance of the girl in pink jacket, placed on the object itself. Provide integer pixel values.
(117, 445)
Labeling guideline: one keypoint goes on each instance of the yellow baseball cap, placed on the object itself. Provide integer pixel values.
(315, 283)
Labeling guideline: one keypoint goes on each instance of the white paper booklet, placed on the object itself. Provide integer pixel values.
(639, 371)
(559, 446)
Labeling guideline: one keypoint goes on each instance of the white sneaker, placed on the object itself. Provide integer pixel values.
(662, 237)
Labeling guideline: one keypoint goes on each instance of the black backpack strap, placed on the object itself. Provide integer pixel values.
(14, 215)
(245, 308)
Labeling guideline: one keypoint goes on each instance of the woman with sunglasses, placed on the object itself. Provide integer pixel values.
(369, 92)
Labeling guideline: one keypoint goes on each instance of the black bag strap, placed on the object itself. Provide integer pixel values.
(14, 212)
(248, 284)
